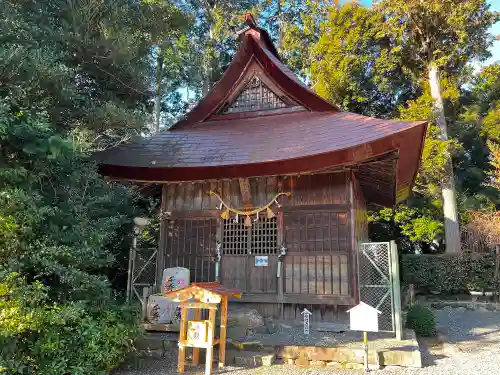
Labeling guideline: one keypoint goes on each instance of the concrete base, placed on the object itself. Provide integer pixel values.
(346, 355)
(342, 353)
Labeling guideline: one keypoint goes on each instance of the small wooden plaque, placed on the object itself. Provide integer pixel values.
(197, 332)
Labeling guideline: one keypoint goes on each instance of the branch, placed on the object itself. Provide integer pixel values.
(118, 79)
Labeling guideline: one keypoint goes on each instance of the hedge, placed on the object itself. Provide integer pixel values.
(448, 273)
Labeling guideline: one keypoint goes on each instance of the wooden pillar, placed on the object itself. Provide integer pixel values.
(396, 291)
(144, 304)
(281, 263)
(223, 327)
(210, 346)
(162, 243)
(196, 351)
(353, 286)
(182, 340)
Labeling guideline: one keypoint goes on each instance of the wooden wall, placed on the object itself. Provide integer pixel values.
(360, 214)
(306, 190)
(190, 243)
(319, 252)
(291, 312)
(315, 223)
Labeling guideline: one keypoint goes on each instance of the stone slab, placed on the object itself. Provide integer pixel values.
(254, 359)
(340, 354)
(317, 364)
(408, 356)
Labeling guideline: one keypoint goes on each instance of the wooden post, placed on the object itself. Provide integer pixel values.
(497, 273)
(131, 262)
(182, 340)
(223, 327)
(281, 263)
(196, 351)
(365, 347)
(162, 243)
(396, 291)
(144, 306)
(210, 346)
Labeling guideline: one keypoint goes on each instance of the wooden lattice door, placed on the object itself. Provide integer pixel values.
(318, 260)
(190, 242)
(249, 255)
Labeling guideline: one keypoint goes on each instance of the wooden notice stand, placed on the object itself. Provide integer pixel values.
(199, 333)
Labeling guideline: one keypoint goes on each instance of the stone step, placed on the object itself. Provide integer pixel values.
(153, 341)
(404, 353)
(250, 359)
(335, 357)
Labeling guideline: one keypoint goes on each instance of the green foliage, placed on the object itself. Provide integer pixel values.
(74, 78)
(435, 153)
(421, 320)
(416, 224)
(58, 221)
(63, 212)
(447, 32)
(357, 65)
(484, 112)
(211, 40)
(38, 336)
(449, 274)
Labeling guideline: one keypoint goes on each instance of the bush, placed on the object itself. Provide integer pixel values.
(421, 320)
(37, 337)
(448, 273)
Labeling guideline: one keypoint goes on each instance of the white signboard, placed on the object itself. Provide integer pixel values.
(261, 261)
(364, 318)
(306, 314)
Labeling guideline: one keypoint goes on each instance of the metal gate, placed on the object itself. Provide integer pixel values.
(141, 273)
(375, 282)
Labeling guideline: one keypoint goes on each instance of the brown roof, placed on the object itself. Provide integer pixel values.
(254, 47)
(203, 290)
(256, 140)
(312, 137)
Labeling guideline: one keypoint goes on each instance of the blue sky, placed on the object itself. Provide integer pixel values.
(495, 30)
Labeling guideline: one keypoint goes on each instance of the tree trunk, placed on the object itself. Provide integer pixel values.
(451, 225)
(208, 59)
(279, 17)
(497, 273)
(158, 91)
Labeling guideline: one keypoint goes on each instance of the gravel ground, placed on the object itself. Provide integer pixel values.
(471, 346)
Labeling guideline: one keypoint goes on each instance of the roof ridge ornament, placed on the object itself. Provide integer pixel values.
(250, 20)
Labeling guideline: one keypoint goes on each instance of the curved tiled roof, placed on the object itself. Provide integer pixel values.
(255, 140)
(310, 138)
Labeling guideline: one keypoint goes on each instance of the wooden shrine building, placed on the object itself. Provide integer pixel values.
(260, 132)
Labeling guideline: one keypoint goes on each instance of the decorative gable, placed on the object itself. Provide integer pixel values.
(255, 96)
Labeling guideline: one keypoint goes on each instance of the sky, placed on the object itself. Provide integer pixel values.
(495, 30)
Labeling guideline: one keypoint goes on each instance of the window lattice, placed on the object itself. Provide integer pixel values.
(259, 239)
(234, 238)
(256, 96)
(317, 231)
(265, 237)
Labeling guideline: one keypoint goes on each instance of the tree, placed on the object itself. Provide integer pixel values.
(295, 27)
(441, 35)
(75, 77)
(166, 26)
(212, 38)
(358, 66)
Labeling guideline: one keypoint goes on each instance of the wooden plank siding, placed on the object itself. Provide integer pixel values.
(359, 224)
(314, 223)
(319, 189)
(360, 215)
(190, 243)
(319, 252)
